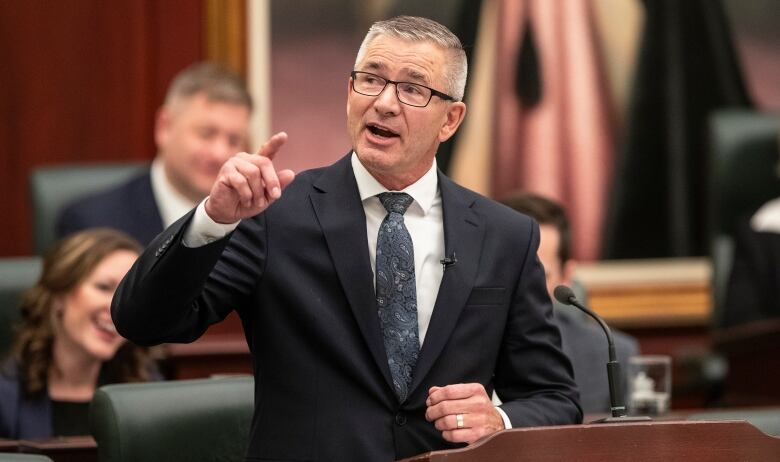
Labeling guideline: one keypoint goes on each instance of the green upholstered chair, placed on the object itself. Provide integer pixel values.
(744, 175)
(16, 275)
(192, 420)
(15, 457)
(53, 188)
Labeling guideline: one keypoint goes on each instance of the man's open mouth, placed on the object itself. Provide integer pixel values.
(381, 131)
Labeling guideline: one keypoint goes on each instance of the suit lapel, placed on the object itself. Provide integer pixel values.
(336, 202)
(463, 234)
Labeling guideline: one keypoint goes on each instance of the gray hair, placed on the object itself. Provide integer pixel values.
(217, 82)
(417, 29)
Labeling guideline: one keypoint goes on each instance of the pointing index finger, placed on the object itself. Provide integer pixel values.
(271, 147)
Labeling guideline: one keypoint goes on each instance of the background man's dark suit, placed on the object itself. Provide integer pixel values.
(755, 277)
(586, 345)
(300, 278)
(129, 207)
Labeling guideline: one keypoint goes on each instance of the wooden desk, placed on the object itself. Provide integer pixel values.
(7, 445)
(62, 449)
(221, 350)
(634, 442)
(725, 413)
(753, 352)
(213, 355)
(649, 293)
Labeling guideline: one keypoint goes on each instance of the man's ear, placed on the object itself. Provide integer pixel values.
(162, 123)
(455, 114)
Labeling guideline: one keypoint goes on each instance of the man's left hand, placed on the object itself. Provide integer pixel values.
(470, 401)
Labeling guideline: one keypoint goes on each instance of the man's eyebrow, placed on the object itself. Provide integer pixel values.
(417, 76)
(412, 75)
(374, 66)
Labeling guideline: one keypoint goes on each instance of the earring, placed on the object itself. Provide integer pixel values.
(58, 308)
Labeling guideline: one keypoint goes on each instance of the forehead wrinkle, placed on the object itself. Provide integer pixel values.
(383, 54)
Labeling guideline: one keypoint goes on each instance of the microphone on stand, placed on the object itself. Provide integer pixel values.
(566, 296)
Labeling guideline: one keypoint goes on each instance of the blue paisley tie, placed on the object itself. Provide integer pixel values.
(396, 296)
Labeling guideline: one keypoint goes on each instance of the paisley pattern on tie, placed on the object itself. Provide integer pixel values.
(396, 295)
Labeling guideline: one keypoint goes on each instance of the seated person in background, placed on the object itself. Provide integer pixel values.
(66, 345)
(203, 122)
(583, 340)
(755, 276)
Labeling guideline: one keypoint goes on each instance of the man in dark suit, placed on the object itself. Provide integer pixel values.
(382, 303)
(751, 294)
(203, 122)
(584, 342)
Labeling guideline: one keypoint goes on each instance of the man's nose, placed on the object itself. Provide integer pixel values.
(387, 101)
(221, 148)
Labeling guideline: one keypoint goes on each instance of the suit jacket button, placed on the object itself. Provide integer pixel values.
(400, 419)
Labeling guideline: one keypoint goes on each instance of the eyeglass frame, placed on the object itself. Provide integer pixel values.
(441, 95)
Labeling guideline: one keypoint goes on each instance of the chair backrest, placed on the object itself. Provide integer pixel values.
(744, 175)
(16, 275)
(15, 457)
(53, 188)
(193, 420)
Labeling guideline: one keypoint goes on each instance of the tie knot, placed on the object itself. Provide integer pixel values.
(395, 202)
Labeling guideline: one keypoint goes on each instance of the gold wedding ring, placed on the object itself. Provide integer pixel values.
(459, 420)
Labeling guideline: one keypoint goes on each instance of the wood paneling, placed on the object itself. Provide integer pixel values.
(225, 38)
(81, 81)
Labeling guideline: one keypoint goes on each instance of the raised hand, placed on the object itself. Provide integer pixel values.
(463, 412)
(248, 183)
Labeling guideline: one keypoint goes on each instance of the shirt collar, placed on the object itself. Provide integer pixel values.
(767, 218)
(423, 191)
(171, 204)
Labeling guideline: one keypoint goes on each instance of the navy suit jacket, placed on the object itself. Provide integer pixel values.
(22, 418)
(300, 277)
(129, 207)
(31, 417)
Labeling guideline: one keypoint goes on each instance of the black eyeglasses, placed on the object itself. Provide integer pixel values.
(412, 94)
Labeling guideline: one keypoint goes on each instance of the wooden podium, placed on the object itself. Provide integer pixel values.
(690, 441)
(753, 353)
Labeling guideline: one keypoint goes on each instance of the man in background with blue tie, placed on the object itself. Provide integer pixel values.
(382, 303)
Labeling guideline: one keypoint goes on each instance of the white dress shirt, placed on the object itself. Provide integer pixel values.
(767, 218)
(171, 204)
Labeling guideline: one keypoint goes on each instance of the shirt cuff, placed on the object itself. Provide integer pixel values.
(203, 230)
(507, 422)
